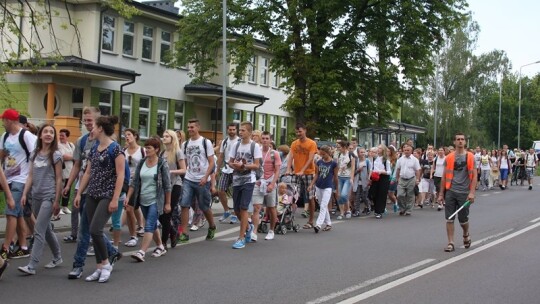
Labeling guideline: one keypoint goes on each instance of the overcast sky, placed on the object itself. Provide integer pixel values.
(511, 26)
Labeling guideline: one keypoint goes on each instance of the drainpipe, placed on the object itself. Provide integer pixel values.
(100, 34)
(255, 113)
(121, 96)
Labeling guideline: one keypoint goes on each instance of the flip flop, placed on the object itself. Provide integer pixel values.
(308, 226)
(449, 248)
(327, 228)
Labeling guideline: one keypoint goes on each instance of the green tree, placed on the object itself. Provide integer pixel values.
(339, 58)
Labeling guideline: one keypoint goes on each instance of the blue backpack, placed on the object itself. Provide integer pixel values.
(110, 151)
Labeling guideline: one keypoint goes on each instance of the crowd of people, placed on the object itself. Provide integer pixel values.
(164, 189)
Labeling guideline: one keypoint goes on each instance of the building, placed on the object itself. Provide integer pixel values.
(119, 67)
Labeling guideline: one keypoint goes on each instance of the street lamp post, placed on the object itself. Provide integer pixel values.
(500, 105)
(225, 73)
(519, 106)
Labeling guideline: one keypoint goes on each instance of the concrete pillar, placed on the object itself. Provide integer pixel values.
(51, 93)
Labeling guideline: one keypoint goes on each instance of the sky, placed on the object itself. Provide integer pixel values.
(511, 26)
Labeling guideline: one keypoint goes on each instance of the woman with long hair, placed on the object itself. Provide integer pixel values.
(134, 154)
(380, 180)
(104, 178)
(437, 172)
(177, 167)
(151, 188)
(45, 182)
(505, 168)
(494, 164)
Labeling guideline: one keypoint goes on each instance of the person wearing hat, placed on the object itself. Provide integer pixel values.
(15, 145)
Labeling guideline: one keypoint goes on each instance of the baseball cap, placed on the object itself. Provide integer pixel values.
(10, 114)
(22, 119)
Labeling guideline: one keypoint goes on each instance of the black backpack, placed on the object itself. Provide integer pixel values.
(21, 142)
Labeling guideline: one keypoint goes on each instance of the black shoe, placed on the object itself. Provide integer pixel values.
(4, 254)
(20, 253)
(530, 187)
(501, 186)
(115, 257)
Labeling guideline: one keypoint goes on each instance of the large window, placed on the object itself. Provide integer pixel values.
(237, 116)
(283, 133)
(109, 29)
(162, 113)
(263, 71)
(144, 116)
(275, 80)
(252, 70)
(105, 102)
(178, 114)
(249, 116)
(273, 123)
(126, 111)
(262, 122)
(129, 38)
(165, 46)
(148, 42)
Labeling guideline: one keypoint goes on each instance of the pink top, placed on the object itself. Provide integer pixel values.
(268, 165)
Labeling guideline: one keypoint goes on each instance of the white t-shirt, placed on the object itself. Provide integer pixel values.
(504, 162)
(16, 167)
(484, 162)
(196, 161)
(439, 166)
(66, 148)
(229, 143)
(531, 160)
(244, 154)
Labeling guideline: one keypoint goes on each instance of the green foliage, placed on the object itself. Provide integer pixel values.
(323, 50)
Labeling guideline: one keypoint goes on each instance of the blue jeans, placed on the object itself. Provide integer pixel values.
(150, 214)
(344, 187)
(83, 238)
(190, 189)
(16, 191)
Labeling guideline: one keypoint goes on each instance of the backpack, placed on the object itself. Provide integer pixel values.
(259, 172)
(205, 152)
(21, 142)
(110, 151)
(527, 159)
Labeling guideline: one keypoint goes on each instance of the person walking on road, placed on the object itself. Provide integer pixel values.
(324, 181)
(408, 172)
(226, 174)
(459, 186)
(531, 161)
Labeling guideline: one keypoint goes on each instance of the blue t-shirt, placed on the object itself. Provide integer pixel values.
(326, 174)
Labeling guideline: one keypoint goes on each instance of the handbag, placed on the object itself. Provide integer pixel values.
(375, 176)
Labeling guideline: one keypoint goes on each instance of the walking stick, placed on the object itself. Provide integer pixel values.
(466, 204)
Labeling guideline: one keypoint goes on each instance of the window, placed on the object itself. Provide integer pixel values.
(252, 69)
(105, 102)
(283, 133)
(249, 116)
(162, 113)
(273, 123)
(165, 46)
(109, 28)
(263, 80)
(144, 116)
(237, 116)
(77, 95)
(275, 80)
(262, 122)
(129, 38)
(126, 111)
(178, 114)
(148, 41)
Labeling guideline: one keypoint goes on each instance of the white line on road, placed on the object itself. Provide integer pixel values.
(369, 282)
(485, 194)
(475, 243)
(432, 268)
(535, 220)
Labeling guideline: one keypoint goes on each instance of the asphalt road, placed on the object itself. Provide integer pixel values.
(393, 260)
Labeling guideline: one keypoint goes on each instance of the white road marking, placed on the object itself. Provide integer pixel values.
(433, 268)
(369, 282)
(485, 194)
(475, 243)
(535, 220)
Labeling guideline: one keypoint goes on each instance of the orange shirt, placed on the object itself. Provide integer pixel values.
(300, 155)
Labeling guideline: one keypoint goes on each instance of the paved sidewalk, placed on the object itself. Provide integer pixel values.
(64, 224)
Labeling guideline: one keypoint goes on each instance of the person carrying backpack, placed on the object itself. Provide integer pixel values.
(244, 159)
(15, 145)
(346, 170)
(531, 161)
(104, 177)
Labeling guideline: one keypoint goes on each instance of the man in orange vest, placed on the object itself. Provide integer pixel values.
(459, 181)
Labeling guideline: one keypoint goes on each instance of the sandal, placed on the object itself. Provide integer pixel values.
(449, 248)
(467, 241)
(327, 228)
(308, 226)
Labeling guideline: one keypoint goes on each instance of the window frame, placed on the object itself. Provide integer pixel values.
(126, 109)
(146, 38)
(133, 39)
(252, 70)
(263, 71)
(162, 112)
(261, 122)
(179, 114)
(166, 43)
(104, 104)
(145, 111)
(273, 126)
(112, 29)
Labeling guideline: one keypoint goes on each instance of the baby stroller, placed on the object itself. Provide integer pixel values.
(519, 174)
(285, 211)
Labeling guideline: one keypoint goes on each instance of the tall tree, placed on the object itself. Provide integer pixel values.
(340, 59)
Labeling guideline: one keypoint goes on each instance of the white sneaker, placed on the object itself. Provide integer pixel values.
(105, 273)
(270, 235)
(66, 210)
(132, 242)
(94, 276)
(91, 251)
(159, 251)
(253, 237)
(61, 212)
(54, 263)
(194, 228)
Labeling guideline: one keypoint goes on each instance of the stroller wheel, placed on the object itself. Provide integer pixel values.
(296, 228)
(264, 228)
(277, 229)
(260, 228)
(283, 229)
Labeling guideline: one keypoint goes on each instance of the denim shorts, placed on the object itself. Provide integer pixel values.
(150, 214)
(116, 217)
(203, 195)
(242, 196)
(504, 174)
(16, 191)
